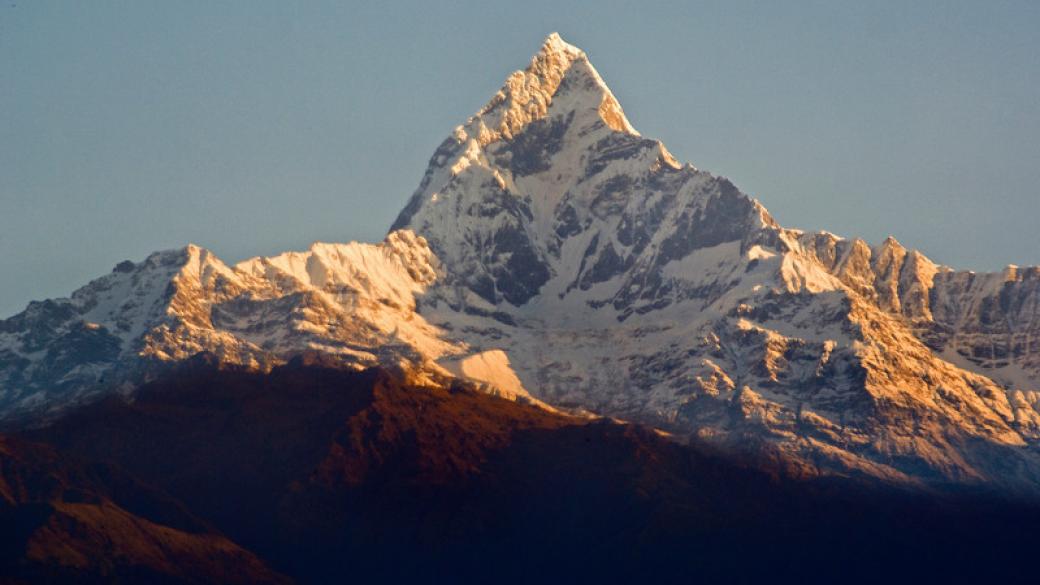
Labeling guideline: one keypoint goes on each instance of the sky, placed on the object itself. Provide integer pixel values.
(252, 128)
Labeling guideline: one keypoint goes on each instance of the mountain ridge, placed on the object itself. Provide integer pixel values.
(333, 475)
(552, 254)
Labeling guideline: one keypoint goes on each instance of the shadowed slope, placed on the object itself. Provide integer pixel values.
(68, 522)
(334, 475)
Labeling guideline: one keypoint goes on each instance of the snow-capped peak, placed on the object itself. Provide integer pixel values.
(527, 94)
(550, 248)
(554, 43)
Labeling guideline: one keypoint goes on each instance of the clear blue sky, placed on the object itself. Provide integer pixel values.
(256, 127)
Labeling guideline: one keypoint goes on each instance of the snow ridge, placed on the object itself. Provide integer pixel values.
(551, 253)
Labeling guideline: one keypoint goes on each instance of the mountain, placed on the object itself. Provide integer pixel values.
(553, 255)
(354, 301)
(71, 522)
(334, 475)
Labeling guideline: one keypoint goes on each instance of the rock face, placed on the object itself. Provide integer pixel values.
(550, 250)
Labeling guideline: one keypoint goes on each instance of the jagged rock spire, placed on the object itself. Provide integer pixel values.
(527, 94)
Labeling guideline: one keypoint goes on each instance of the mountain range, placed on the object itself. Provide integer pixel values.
(555, 278)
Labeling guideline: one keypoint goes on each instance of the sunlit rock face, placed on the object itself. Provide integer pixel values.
(551, 253)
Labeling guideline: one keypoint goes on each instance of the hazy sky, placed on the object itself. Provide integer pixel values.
(255, 127)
